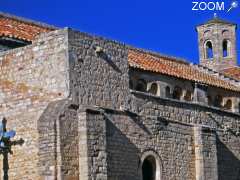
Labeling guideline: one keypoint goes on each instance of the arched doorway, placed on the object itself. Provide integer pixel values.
(149, 168)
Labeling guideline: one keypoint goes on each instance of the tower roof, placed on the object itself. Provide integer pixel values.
(217, 20)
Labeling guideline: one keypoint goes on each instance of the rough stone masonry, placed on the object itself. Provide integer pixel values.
(68, 95)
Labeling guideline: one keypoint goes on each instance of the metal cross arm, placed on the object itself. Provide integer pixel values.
(6, 145)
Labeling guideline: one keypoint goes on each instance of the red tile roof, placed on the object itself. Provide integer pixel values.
(11, 26)
(233, 72)
(172, 67)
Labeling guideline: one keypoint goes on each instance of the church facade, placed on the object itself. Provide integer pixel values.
(90, 108)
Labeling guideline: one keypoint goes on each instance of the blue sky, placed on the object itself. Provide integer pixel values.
(164, 26)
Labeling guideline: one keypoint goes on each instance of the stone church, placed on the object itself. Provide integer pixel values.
(90, 108)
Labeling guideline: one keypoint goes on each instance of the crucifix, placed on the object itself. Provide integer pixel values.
(6, 145)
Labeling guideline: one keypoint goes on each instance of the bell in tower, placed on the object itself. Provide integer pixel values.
(217, 44)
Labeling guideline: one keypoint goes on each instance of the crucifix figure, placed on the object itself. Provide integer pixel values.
(6, 145)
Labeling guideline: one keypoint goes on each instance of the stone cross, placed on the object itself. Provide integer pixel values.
(6, 145)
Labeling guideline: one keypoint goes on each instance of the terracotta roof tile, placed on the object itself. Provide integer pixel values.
(233, 72)
(11, 26)
(172, 67)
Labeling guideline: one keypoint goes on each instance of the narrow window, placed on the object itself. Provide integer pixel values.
(228, 104)
(177, 93)
(209, 50)
(218, 101)
(226, 48)
(153, 89)
(167, 92)
(210, 103)
(188, 96)
(149, 168)
(141, 85)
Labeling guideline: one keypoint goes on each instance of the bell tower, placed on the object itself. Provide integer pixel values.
(217, 44)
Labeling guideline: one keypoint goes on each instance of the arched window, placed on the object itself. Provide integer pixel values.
(228, 104)
(226, 48)
(225, 33)
(177, 93)
(141, 85)
(188, 96)
(207, 33)
(208, 50)
(167, 92)
(153, 89)
(218, 101)
(151, 166)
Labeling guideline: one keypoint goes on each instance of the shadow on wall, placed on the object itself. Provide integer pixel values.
(123, 156)
(108, 59)
(228, 163)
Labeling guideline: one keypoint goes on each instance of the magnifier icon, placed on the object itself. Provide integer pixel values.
(234, 5)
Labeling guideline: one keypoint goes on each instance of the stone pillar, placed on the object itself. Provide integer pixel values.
(200, 94)
(198, 143)
(83, 152)
(205, 153)
(92, 144)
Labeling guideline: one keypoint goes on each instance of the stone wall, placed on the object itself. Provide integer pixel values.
(226, 125)
(30, 78)
(163, 126)
(98, 78)
(167, 128)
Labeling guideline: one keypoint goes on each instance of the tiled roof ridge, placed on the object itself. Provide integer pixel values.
(234, 66)
(200, 76)
(160, 55)
(220, 74)
(27, 21)
(233, 72)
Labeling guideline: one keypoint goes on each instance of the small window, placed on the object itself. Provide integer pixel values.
(141, 85)
(226, 48)
(167, 92)
(153, 89)
(177, 93)
(208, 50)
(228, 104)
(188, 96)
(218, 101)
(210, 103)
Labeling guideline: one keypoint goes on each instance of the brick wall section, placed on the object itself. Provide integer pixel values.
(100, 80)
(30, 78)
